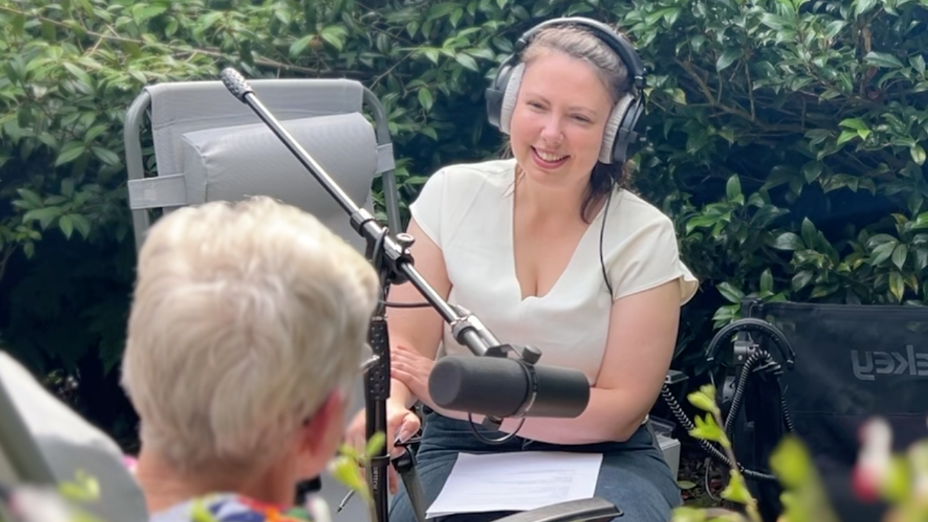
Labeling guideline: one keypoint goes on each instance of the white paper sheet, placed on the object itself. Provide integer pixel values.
(517, 481)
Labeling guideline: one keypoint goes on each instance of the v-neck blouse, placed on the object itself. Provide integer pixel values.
(466, 209)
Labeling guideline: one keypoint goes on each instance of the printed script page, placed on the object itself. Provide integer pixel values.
(516, 481)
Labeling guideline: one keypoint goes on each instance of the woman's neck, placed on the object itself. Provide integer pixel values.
(164, 486)
(537, 202)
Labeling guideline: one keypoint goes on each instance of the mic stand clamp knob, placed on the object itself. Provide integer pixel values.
(405, 240)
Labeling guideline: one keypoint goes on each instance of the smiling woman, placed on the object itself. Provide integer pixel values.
(549, 251)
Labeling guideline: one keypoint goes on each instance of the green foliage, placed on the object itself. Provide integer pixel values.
(709, 428)
(346, 466)
(787, 139)
(804, 497)
(899, 479)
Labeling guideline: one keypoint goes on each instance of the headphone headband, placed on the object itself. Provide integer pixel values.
(616, 41)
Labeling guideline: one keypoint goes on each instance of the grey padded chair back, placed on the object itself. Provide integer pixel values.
(210, 146)
(44, 442)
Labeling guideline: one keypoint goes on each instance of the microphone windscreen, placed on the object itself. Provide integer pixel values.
(499, 387)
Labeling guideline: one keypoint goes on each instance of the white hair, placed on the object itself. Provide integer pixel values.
(245, 317)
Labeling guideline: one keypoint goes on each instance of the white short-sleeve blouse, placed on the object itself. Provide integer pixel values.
(466, 210)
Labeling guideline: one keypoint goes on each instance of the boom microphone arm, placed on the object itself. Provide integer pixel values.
(392, 259)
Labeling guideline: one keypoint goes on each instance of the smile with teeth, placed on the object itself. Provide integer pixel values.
(548, 156)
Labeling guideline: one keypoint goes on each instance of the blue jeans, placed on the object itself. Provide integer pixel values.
(633, 476)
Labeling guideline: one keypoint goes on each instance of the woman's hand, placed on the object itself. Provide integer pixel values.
(402, 424)
(412, 369)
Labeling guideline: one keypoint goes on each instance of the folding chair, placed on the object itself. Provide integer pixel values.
(43, 442)
(211, 147)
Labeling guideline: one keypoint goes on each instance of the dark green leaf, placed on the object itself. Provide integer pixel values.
(105, 155)
(766, 281)
(896, 285)
(700, 222)
(817, 136)
(79, 74)
(847, 136)
(467, 61)
(727, 58)
(854, 123)
(70, 152)
(918, 63)
(66, 225)
(731, 293)
(812, 170)
(733, 188)
(800, 280)
(425, 99)
(921, 259)
(775, 22)
(35, 201)
(917, 153)
(879, 239)
(335, 36)
(45, 216)
(900, 253)
(81, 224)
(788, 241)
(67, 187)
(430, 132)
(882, 252)
(808, 233)
(834, 27)
(882, 59)
(863, 6)
(297, 47)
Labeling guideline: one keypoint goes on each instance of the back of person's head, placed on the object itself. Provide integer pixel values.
(246, 318)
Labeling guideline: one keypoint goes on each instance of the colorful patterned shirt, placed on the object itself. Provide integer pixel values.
(229, 508)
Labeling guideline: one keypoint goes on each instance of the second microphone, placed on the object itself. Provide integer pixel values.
(501, 387)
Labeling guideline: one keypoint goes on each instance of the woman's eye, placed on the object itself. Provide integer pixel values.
(582, 119)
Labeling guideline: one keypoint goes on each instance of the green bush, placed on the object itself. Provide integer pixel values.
(785, 138)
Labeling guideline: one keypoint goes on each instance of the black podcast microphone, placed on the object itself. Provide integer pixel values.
(504, 387)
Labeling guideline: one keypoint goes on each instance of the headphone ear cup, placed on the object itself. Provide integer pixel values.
(611, 134)
(627, 134)
(510, 96)
(497, 90)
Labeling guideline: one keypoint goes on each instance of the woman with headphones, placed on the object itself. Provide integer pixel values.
(548, 249)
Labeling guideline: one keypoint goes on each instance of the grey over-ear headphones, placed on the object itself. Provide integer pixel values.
(620, 129)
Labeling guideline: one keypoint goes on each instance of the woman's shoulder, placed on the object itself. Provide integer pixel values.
(458, 189)
(498, 172)
(634, 212)
(642, 248)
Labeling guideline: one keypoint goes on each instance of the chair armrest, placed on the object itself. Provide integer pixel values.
(584, 510)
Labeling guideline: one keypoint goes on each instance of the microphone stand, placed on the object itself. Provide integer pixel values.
(394, 263)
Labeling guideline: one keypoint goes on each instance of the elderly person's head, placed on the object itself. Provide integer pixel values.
(247, 329)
